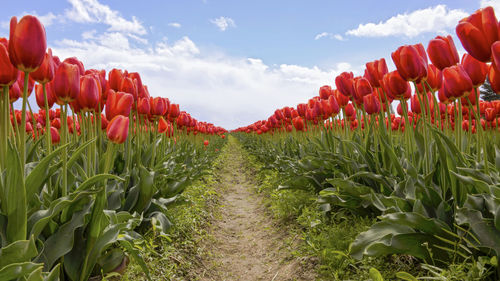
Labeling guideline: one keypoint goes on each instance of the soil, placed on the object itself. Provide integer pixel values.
(247, 244)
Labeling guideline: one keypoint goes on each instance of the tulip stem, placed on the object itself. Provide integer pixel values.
(16, 126)
(64, 139)
(48, 133)
(22, 132)
(5, 126)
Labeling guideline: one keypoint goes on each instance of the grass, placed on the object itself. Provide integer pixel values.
(177, 255)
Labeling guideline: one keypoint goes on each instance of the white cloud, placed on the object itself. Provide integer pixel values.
(321, 35)
(175, 24)
(89, 34)
(47, 19)
(228, 91)
(493, 3)
(91, 11)
(432, 19)
(329, 35)
(223, 23)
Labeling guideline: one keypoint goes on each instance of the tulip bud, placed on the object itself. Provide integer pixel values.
(442, 52)
(45, 73)
(118, 103)
(117, 130)
(344, 83)
(411, 62)
(66, 83)
(54, 135)
(27, 43)
(476, 70)
(375, 71)
(478, 32)
(8, 73)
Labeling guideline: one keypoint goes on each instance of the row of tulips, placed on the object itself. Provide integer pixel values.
(430, 169)
(80, 182)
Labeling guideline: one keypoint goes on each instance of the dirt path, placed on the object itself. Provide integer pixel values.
(247, 245)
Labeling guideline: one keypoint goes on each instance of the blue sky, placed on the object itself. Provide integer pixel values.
(234, 62)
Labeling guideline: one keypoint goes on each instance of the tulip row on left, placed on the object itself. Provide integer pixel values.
(77, 185)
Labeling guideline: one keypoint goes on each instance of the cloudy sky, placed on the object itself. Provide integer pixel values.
(234, 62)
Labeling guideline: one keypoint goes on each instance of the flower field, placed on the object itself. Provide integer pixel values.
(102, 162)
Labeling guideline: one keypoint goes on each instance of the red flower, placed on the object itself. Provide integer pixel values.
(174, 111)
(27, 43)
(371, 104)
(89, 97)
(362, 87)
(8, 73)
(411, 62)
(493, 77)
(45, 73)
(117, 130)
(325, 92)
(128, 86)
(54, 135)
(341, 99)
(434, 77)
(66, 83)
(298, 123)
(345, 84)
(476, 70)
(40, 98)
(478, 32)
(115, 77)
(143, 106)
(442, 52)
(205, 143)
(395, 86)
(456, 81)
(76, 62)
(375, 71)
(118, 103)
(301, 109)
(158, 106)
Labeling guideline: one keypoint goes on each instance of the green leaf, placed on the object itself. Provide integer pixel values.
(15, 195)
(405, 276)
(18, 270)
(375, 274)
(17, 252)
(39, 175)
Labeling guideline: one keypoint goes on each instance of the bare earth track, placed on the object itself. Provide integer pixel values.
(247, 244)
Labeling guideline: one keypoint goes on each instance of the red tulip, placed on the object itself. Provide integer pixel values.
(128, 86)
(298, 123)
(158, 106)
(66, 83)
(40, 98)
(478, 32)
(334, 105)
(375, 71)
(476, 70)
(456, 81)
(89, 97)
(118, 103)
(143, 106)
(490, 114)
(345, 84)
(371, 104)
(115, 77)
(117, 130)
(434, 77)
(8, 73)
(205, 143)
(494, 78)
(442, 52)
(362, 87)
(27, 43)
(341, 99)
(411, 62)
(162, 125)
(325, 92)
(395, 86)
(76, 62)
(350, 111)
(14, 92)
(173, 111)
(301, 109)
(45, 73)
(54, 135)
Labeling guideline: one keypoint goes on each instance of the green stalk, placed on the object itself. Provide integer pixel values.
(48, 137)
(64, 139)
(22, 132)
(424, 127)
(4, 107)
(16, 126)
